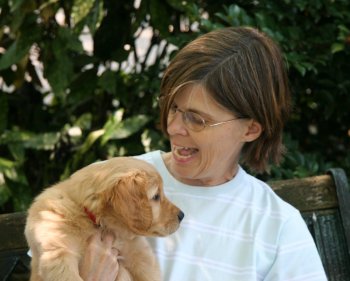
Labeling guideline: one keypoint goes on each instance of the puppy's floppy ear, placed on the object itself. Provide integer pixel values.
(129, 199)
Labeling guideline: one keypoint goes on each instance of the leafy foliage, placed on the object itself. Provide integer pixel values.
(79, 81)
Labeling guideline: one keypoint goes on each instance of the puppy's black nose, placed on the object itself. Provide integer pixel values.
(180, 215)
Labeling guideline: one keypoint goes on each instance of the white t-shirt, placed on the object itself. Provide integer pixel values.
(238, 231)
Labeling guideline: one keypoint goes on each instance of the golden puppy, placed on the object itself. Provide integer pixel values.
(122, 195)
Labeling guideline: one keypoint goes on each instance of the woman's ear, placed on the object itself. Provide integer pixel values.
(254, 130)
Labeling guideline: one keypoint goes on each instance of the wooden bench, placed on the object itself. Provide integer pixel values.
(324, 202)
(14, 261)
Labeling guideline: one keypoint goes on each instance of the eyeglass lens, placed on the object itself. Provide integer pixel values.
(193, 120)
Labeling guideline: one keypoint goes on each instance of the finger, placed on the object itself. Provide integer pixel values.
(95, 238)
(115, 252)
(108, 239)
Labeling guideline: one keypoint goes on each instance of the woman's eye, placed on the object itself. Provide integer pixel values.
(173, 108)
(194, 118)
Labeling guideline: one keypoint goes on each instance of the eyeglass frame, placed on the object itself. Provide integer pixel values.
(204, 122)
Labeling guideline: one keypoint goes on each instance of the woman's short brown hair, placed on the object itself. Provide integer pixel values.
(244, 71)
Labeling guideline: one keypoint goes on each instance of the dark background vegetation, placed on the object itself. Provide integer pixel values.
(63, 105)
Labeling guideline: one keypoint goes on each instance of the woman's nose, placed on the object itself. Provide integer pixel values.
(176, 125)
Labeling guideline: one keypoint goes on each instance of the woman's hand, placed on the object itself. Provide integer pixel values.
(100, 261)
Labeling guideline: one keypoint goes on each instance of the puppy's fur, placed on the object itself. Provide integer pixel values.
(122, 195)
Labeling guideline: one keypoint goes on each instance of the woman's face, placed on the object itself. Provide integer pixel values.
(208, 157)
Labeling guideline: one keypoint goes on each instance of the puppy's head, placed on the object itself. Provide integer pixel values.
(132, 195)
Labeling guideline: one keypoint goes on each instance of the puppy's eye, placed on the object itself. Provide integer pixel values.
(156, 197)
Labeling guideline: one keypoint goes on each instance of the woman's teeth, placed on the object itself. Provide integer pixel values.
(184, 152)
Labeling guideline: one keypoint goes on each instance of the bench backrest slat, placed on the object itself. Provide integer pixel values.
(308, 194)
(343, 194)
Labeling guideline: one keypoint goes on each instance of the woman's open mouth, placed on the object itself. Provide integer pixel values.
(183, 153)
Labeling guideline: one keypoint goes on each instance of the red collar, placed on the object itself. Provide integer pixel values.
(90, 215)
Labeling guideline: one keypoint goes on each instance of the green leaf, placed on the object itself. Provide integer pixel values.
(84, 121)
(21, 46)
(16, 175)
(15, 53)
(87, 13)
(81, 153)
(337, 47)
(5, 193)
(125, 128)
(107, 81)
(59, 72)
(47, 3)
(17, 152)
(59, 67)
(42, 141)
(22, 12)
(67, 41)
(81, 9)
(45, 141)
(300, 68)
(6, 164)
(16, 4)
(90, 140)
(235, 16)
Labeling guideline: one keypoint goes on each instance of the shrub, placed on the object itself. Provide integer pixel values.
(65, 103)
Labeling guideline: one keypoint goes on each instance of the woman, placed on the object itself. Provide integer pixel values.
(224, 100)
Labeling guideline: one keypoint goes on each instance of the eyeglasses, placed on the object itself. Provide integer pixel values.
(194, 121)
